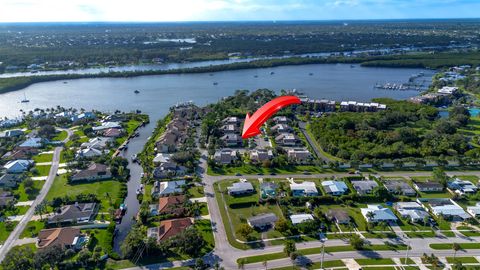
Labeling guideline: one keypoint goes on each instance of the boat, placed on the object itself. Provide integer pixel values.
(256, 76)
(123, 207)
(24, 100)
(65, 82)
(311, 74)
(215, 83)
(271, 73)
(136, 92)
(134, 158)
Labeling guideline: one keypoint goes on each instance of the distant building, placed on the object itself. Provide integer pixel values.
(97, 143)
(171, 205)
(232, 121)
(231, 140)
(299, 218)
(263, 221)
(6, 198)
(240, 188)
(89, 153)
(281, 120)
(448, 90)
(107, 125)
(281, 128)
(333, 187)
(13, 133)
(33, 143)
(364, 187)
(304, 189)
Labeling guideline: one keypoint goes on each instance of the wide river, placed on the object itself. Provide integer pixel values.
(159, 92)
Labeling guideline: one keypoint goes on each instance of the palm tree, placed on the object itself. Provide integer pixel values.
(265, 264)
(241, 264)
(455, 247)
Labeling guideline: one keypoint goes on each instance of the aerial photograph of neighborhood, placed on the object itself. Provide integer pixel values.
(239, 134)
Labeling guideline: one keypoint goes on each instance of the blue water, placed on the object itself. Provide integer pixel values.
(474, 112)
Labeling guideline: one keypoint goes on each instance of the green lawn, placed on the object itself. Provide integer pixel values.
(251, 169)
(60, 136)
(471, 232)
(462, 260)
(3, 231)
(17, 211)
(375, 261)
(43, 158)
(32, 229)
(196, 192)
(328, 264)
(203, 209)
(61, 188)
(205, 229)
(42, 170)
(20, 194)
(444, 246)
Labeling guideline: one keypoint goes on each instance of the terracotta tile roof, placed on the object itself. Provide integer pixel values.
(171, 205)
(172, 227)
(57, 236)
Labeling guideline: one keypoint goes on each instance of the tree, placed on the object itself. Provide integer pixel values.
(455, 247)
(289, 247)
(49, 256)
(189, 242)
(133, 242)
(19, 258)
(356, 241)
(245, 230)
(241, 263)
(440, 176)
(282, 225)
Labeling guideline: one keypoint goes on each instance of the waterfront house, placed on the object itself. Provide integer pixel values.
(169, 228)
(225, 156)
(18, 166)
(428, 186)
(299, 218)
(66, 238)
(304, 189)
(364, 187)
(263, 221)
(171, 205)
(167, 142)
(168, 187)
(260, 155)
(107, 125)
(399, 187)
(240, 188)
(161, 158)
(97, 143)
(95, 171)
(412, 211)
(333, 187)
(113, 132)
(74, 213)
(89, 153)
(340, 216)
(268, 190)
(376, 213)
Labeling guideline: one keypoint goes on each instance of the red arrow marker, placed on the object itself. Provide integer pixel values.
(252, 124)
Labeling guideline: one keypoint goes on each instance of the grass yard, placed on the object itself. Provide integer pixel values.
(32, 229)
(61, 188)
(375, 261)
(205, 229)
(196, 192)
(444, 246)
(20, 194)
(4, 233)
(470, 232)
(42, 170)
(328, 264)
(251, 169)
(17, 211)
(462, 260)
(60, 136)
(203, 209)
(43, 158)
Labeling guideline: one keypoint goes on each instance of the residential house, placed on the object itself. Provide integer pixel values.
(448, 90)
(377, 213)
(446, 208)
(169, 228)
(412, 211)
(168, 187)
(462, 186)
(74, 213)
(263, 221)
(428, 186)
(281, 128)
(82, 116)
(6, 198)
(167, 142)
(229, 129)
(339, 216)
(97, 143)
(13, 133)
(18, 166)
(89, 153)
(113, 133)
(94, 172)
(231, 140)
(304, 189)
(286, 139)
(225, 156)
(261, 155)
(268, 190)
(364, 187)
(171, 205)
(168, 170)
(240, 188)
(20, 153)
(399, 187)
(10, 180)
(67, 238)
(299, 218)
(107, 125)
(474, 210)
(333, 187)
(161, 158)
(32, 143)
(232, 121)
(298, 154)
(280, 120)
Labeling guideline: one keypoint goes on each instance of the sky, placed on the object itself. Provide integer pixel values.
(231, 10)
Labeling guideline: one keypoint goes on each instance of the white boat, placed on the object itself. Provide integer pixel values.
(24, 100)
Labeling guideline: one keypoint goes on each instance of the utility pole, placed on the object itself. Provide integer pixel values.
(323, 255)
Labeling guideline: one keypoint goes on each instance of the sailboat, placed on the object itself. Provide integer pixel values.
(24, 100)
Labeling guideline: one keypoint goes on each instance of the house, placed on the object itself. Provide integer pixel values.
(260, 155)
(340, 216)
(298, 154)
(240, 188)
(10, 180)
(95, 171)
(82, 116)
(263, 221)
(18, 166)
(13, 133)
(474, 210)
(161, 158)
(281, 128)
(268, 190)
(20, 153)
(171, 205)
(97, 143)
(446, 208)
(299, 218)
(229, 129)
(169, 228)
(335, 188)
(462, 186)
(280, 120)
(107, 125)
(232, 121)
(448, 90)
(412, 211)
(225, 156)
(377, 213)
(113, 133)
(364, 187)
(286, 139)
(32, 142)
(89, 153)
(399, 187)
(428, 186)
(167, 188)
(231, 140)
(167, 142)
(67, 238)
(304, 189)
(74, 213)
(6, 198)
(168, 170)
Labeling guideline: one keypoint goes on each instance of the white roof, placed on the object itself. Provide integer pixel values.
(299, 218)
(161, 158)
(380, 213)
(335, 186)
(306, 186)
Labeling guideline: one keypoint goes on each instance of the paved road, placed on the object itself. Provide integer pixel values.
(15, 234)
(311, 142)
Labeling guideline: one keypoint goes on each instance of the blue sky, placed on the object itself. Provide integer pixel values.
(226, 10)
